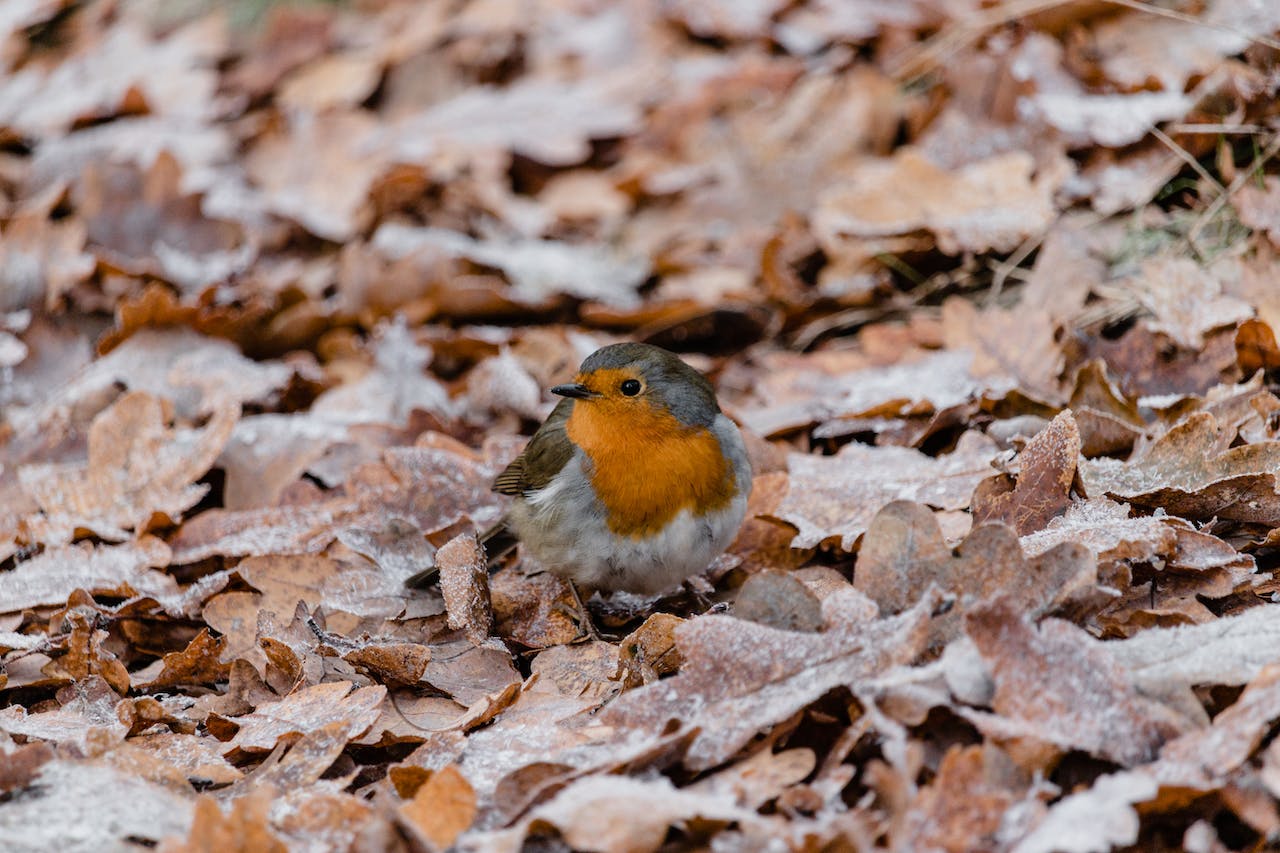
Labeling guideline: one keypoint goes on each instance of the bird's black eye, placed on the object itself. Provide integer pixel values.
(630, 388)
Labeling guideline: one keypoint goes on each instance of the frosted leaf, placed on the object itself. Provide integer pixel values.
(1095, 820)
(832, 496)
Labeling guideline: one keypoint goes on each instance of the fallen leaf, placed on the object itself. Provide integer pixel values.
(770, 674)
(1094, 820)
(961, 810)
(539, 270)
(903, 555)
(244, 828)
(1191, 473)
(117, 571)
(993, 204)
(1058, 689)
(1042, 487)
(137, 469)
(832, 496)
(778, 600)
(79, 805)
(616, 814)
(464, 581)
(442, 808)
(307, 710)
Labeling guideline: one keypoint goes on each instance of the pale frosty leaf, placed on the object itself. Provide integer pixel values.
(932, 382)
(549, 121)
(180, 365)
(89, 717)
(616, 814)
(740, 677)
(1058, 689)
(1137, 48)
(1058, 99)
(173, 76)
(538, 270)
(137, 467)
(838, 495)
(1230, 650)
(1206, 757)
(110, 570)
(83, 807)
(1105, 528)
(394, 387)
(318, 172)
(1094, 820)
(1114, 120)
(1189, 472)
(1186, 298)
(308, 710)
(993, 204)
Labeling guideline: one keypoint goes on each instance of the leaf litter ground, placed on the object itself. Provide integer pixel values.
(990, 287)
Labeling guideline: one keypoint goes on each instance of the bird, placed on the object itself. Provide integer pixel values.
(635, 482)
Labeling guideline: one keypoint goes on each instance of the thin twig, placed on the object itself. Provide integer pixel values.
(1225, 196)
(1185, 156)
(1175, 15)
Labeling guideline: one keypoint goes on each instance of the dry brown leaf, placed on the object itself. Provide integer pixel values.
(245, 828)
(198, 663)
(307, 710)
(143, 224)
(993, 204)
(117, 571)
(533, 610)
(837, 496)
(778, 600)
(442, 808)
(739, 677)
(40, 260)
(1191, 472)
(903, 555)
(1014, 347)
(464, 582)
(960, 810)
(1041, 490)
(87, 656)
(650, 651)
(1058, 689)
(138, 469)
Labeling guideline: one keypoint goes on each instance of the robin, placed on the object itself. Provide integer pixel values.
(636, 480)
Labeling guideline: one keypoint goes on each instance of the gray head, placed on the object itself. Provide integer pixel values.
(645, 373)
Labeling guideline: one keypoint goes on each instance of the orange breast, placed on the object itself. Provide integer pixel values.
(646, 466)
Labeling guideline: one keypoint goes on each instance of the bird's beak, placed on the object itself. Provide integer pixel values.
(576, 390)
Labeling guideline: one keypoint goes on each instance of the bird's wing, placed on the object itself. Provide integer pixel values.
(543, 457)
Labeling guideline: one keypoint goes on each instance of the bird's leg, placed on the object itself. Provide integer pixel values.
(700, 597)
(580, 615)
